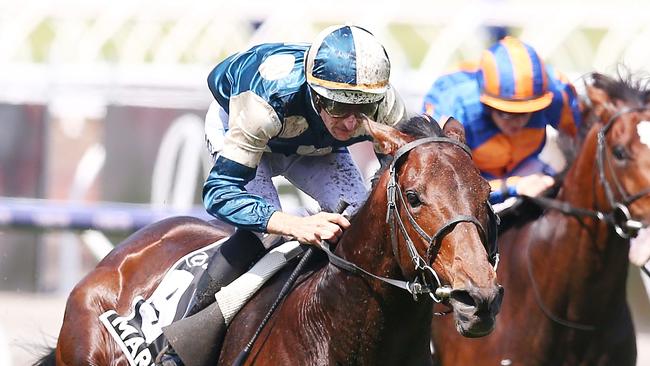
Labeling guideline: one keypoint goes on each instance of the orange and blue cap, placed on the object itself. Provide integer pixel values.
(512, 78)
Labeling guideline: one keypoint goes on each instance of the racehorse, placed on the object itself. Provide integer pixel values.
(437, 237)
(565, 271)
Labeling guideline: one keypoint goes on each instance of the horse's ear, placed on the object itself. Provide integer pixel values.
(601, 104)
(386, 140)
(454, 129)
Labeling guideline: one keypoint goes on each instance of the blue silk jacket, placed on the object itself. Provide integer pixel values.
(265, 94)
(496, 155)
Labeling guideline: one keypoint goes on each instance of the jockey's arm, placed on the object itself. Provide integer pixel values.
(225, 197)
(391, 111)
(252, 123)
(564, 112)
(529, 185)
(444, 99)
(224, 192)
(310, 229)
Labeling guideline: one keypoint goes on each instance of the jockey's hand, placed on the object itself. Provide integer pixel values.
(310, 229)
(533, 185)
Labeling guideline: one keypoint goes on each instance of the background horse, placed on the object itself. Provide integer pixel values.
(565, 271)
(332, 316)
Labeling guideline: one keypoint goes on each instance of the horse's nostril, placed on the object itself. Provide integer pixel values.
(500, 292)
(463, 297)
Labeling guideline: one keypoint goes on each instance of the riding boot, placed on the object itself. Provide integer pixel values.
(168, 357)
(203, 321)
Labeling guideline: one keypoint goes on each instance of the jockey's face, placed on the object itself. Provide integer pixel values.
(509, 123)
(342, 128)
(343, 120)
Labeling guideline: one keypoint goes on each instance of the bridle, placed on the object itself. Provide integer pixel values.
(426, 280)
(619, 217)
(422, 266)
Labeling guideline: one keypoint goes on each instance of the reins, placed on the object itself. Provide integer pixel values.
(538, 298)
(286, 288)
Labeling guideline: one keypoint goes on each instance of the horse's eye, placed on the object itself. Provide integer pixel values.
(413, 199)
(620, 153)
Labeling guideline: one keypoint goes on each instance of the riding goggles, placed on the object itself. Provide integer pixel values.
(340, 110)
(510, 116)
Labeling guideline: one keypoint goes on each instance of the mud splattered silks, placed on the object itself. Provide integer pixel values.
(263, 111)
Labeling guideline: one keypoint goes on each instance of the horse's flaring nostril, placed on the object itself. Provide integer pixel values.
(463, 296)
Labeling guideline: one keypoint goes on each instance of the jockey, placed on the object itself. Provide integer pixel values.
(505, 105)
(292, 110)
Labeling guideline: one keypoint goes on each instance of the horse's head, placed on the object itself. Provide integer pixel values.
(619, 116)
(441, 225)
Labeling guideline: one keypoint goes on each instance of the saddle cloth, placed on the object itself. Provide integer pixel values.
(139, 333)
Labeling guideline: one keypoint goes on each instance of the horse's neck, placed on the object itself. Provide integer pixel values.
(582, 188)
(369, 313)
(593, 256)
(367, 243)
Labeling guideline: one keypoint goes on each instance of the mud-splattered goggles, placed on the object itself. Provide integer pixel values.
(340, 110)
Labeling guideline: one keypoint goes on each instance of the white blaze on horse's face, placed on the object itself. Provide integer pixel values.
(643, 129)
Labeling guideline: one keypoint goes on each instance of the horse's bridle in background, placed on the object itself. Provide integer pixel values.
(420, 285)
(619, 217)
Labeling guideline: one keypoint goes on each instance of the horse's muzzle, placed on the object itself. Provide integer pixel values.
(475, 309)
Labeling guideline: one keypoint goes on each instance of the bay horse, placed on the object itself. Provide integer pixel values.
(435, 202)
(565, 271)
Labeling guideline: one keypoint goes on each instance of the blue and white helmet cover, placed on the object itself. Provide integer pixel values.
(347, 64)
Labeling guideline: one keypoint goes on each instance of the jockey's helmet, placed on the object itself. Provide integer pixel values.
(347, 64)
(512, 78)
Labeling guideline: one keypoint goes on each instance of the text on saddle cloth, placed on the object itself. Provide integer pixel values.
(139, 334)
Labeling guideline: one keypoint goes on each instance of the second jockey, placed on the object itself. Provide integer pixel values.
(505, 105)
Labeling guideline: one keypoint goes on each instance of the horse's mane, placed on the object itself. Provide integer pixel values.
(630, 87)
(418, 126)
